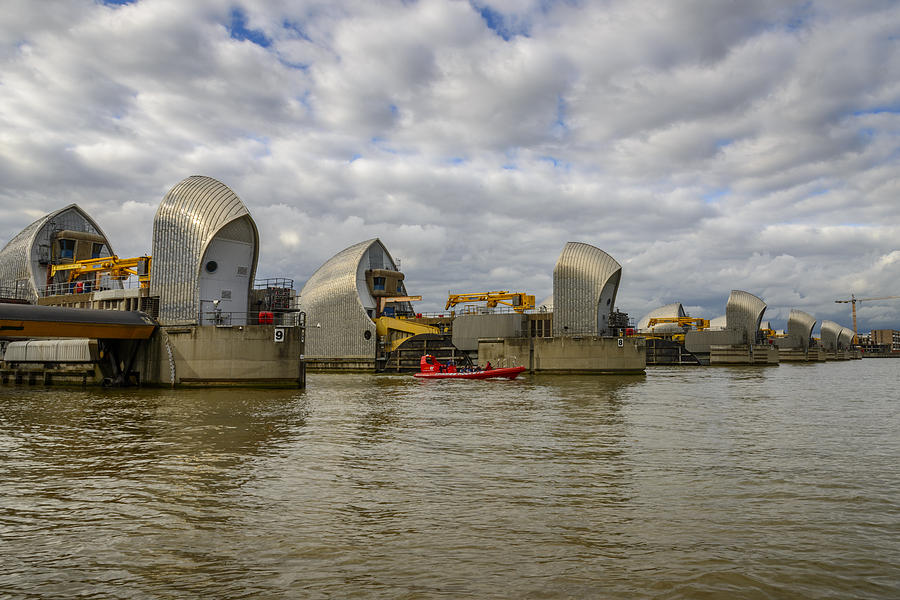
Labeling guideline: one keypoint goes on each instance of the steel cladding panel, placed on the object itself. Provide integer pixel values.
(581, 274)
(744, 312)
(189, 217)
(829, 333)
(20, 258)
(336, 320)
(799, 328)
(845, 338)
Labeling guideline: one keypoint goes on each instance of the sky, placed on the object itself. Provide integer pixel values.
(706, 145)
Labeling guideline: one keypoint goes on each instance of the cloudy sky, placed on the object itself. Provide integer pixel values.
(706, 145)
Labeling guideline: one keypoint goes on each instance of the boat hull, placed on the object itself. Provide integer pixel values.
(504, 373)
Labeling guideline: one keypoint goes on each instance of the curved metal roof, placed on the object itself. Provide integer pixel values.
(744, 312)
(799, 328)
(336, 319)
(845, 338)
(190, 215)
(829, 332)
(585, 282)
(19, 257)
(673, 310)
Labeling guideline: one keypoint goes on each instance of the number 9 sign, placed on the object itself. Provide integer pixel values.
(279, 334)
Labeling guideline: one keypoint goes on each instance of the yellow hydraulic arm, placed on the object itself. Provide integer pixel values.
(519, 301)
(400, 327)
(700, 324)
(115, 267)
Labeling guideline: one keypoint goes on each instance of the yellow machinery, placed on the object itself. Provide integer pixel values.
(519, 301)
(383, 301)
(113, 266)
(700, 324)
(399, 330)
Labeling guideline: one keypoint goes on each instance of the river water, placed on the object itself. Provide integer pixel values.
(742, 482)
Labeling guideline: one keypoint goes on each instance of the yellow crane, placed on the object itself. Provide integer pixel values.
(115, 267)
(853, 300)
(519, 301)
(700, 324)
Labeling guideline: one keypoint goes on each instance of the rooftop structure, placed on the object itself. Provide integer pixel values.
(342, 298)
(669, 311)
(744, 313)
(60, 237)
(585, 283)
(835, 336)
(799, 330)
(205, 250)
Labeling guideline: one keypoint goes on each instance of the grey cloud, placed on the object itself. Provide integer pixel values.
(706, 146)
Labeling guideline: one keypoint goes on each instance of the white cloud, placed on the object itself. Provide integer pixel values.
(706, 147)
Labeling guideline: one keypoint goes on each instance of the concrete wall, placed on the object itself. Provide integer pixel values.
(587, 354)
(793, 355)
(209, 355)
(467, 329)
(703, 341)
(743, 354)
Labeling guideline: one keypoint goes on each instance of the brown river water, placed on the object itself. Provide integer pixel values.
(742, 482)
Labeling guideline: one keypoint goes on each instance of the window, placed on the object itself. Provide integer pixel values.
(211, 266)
(378, 283)
(540, 328)
(67, 248)
(97, 250)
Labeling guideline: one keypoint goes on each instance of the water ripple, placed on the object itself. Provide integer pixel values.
(684, 483)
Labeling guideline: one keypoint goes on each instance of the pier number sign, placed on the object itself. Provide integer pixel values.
(279, 334)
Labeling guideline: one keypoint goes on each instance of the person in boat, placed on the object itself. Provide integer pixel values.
(488, 367)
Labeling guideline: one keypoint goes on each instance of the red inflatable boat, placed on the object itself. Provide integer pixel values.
(431, 368)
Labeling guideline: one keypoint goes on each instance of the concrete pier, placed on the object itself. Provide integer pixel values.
(257, 355)
(587, 355)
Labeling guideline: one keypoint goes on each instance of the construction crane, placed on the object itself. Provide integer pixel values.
(113, 266)
(853, 300)
(519, 301)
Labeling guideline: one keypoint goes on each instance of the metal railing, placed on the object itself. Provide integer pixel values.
(222, 318)
(15, 291)
(273, 282)
(84, 287)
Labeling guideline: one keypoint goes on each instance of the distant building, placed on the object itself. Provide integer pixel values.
(889, 339)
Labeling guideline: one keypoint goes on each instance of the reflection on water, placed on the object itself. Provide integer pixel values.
(685, 482)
